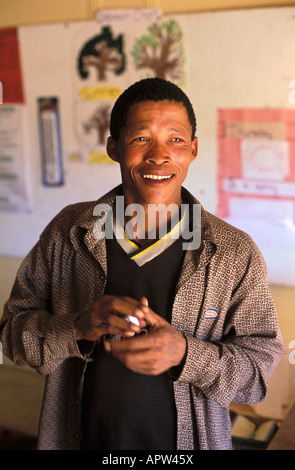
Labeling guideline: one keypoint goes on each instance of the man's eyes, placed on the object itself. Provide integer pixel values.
(177, 139)
(141, 139)
(147, 139)
(138, 139)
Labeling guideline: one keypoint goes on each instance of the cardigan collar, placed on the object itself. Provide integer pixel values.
(92, 221)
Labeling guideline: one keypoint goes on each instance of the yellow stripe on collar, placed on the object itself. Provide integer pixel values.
(142, 255)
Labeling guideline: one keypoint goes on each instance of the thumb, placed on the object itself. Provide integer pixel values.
(144, 301)
(150, 316)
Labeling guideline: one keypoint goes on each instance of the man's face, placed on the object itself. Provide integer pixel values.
(154, 150)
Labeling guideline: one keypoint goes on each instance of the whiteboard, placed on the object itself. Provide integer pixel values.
(233, 59)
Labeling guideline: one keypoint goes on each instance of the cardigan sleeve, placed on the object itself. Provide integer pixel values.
(237, 366)
(30, 334)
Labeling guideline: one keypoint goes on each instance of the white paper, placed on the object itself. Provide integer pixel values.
(268, 222)
(259, 187)
(13, 187)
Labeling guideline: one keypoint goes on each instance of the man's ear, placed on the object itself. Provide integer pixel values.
(194, 148)
(112, 149)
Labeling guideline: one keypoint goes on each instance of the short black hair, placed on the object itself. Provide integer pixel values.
(148, 89)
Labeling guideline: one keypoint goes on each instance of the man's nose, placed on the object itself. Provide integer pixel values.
(157, 153)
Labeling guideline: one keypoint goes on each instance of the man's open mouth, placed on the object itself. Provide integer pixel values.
(157, 177)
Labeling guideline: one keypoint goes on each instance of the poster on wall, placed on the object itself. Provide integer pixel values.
(14, 184)
(10, 67)
(256, 175)
(109, 56)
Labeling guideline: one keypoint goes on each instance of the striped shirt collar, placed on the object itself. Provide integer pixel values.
(143, 254)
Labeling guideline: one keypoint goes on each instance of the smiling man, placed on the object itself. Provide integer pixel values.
(154, 150)
(145, 339)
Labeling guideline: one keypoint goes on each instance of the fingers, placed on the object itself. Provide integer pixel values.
(136, 355)
(144, 301)
(105, 329)
(111, 315)
(151, 318)
(162, 348)
(118, 306)
(144, 354)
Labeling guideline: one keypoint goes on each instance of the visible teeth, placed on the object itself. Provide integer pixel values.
(156, 177)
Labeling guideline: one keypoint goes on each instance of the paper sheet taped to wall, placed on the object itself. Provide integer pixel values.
(256, 174)
(14, 184)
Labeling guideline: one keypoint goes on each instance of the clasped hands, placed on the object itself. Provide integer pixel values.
(151, 354)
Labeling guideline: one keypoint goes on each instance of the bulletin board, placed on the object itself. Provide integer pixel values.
(231, 63)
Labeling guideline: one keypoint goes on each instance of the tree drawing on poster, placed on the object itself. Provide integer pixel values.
(99, 59)
(161, 51)
(106, 65)
(99, 121)
(104, 54)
